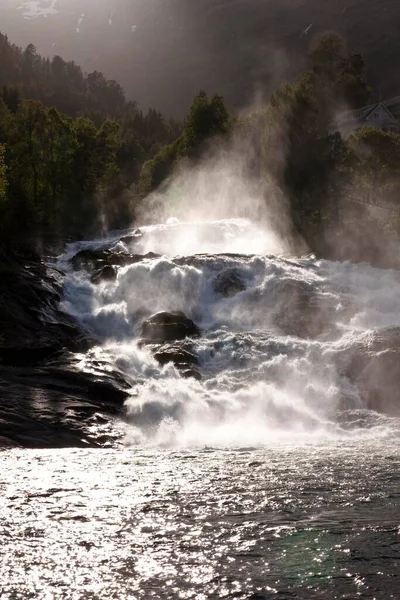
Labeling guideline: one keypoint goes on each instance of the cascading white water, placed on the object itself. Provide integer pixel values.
(262, 379)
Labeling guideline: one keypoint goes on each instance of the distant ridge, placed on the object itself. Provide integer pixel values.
(162, 52)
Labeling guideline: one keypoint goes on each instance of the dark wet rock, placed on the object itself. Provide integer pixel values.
(373, 366)
(46, 399)
(32, 326)
(228, 283)
(90, 259)
(218, 261)
(107, 273)
(131, 238)
(176, 355)
(167, 327)
(6, 442)
(96, 260)
(55, 404)
(183, 358)
(302, 312)
(128, 239)
(190, 373)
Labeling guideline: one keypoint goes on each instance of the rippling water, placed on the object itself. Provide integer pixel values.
(283, 521)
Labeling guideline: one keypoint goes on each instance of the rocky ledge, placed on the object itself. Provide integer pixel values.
(46, 400)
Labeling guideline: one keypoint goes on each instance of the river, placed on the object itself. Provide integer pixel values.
(270, 470)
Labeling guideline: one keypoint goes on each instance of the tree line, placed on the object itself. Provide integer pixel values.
(71, 145)
(76, 156)
(330, 182)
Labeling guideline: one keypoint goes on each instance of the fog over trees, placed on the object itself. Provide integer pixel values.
(78, 158)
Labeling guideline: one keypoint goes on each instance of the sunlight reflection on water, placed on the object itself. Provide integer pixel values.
(309, 522)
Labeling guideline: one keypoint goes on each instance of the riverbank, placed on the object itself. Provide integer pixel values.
(46, 399)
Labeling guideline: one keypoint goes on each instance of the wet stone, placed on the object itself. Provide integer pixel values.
(107, 273)
(228, 283)
(96, 260)
(168, 327)
(184, 359)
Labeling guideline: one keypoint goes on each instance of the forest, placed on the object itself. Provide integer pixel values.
(77, 158)
(71, 146)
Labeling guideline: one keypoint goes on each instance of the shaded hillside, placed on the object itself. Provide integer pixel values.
(163, 52)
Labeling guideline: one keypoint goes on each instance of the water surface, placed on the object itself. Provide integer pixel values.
(285, 521)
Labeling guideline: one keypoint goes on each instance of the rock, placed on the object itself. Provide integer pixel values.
(167, 327)
(107, 273)
(190, 373)
(91, 259)
(373, 366)
(56, 405)
(128, 239)
(32, 326)
(47, 400)
(131, 238)
(164, 327)
(176, 355)
(302, 312)
(228, 283)
(183, 358)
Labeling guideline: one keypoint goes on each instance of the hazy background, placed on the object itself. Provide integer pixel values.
(163, 51)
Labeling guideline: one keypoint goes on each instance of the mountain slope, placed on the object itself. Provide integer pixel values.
(163, 51)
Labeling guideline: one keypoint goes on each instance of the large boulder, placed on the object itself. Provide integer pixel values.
(56, 404)
(47, 400)
(228, 283)
(168, 327)
(131, 238)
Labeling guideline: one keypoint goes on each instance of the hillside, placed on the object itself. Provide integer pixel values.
(162, 52)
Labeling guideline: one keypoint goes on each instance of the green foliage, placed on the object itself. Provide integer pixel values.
(60, 171)
(4, 202)
(208, 119)
(73, 145)
(3, 175)
(24, 74)
(76, 157)
(338, 79)
(307, 161)
(155, 171)
(373, 159)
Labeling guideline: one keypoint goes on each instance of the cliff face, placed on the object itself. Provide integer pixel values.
(162, 52)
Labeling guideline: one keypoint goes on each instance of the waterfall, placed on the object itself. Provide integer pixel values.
(286, 348)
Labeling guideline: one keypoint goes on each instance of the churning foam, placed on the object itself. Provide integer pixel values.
(259, 384)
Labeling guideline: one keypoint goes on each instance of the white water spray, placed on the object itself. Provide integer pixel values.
(262, 380)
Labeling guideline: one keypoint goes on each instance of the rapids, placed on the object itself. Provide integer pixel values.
(276, 355)
(257, 459)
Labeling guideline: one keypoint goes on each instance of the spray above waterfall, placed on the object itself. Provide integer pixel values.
(221, 186)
